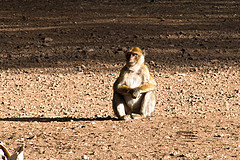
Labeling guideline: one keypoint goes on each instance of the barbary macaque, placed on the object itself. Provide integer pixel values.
(133, 96)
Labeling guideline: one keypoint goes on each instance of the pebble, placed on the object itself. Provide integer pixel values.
(84, 157)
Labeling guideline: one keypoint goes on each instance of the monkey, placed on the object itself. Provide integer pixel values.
(18, 155)
(133, 90)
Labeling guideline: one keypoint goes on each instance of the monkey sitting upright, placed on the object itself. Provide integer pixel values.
(133, 96)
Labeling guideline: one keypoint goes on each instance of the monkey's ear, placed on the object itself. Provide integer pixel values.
(143, 51)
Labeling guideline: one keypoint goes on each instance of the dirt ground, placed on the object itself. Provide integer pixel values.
(60, 58)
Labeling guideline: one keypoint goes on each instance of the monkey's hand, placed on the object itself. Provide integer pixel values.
(135, 93)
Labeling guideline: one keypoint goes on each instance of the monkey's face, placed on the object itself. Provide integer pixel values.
(134, 56)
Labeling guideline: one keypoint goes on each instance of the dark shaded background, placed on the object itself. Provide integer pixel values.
(66, 33)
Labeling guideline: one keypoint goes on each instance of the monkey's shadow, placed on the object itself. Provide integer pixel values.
(57, 119)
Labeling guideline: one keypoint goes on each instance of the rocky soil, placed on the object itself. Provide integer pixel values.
(59, 60)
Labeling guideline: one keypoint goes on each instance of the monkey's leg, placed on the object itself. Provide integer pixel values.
(148, 104)
(120, 107)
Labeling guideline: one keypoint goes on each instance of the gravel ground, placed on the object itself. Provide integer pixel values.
(59, 60)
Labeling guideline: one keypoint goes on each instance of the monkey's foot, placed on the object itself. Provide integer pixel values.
(126, 117)
(137, 116)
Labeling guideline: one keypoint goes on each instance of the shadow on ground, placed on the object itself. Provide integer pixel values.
(58, 119)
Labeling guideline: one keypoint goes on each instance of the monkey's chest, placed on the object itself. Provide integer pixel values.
(133, 80)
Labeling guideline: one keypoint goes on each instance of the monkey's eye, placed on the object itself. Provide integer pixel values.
(134, 54)
(128, 55)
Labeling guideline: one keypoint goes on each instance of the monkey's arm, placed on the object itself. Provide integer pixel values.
(144, 88)
(149, 86)
(120, 87)
(123, 90)
(148, 82)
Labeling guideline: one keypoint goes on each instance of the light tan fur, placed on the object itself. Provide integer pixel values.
(134, 88)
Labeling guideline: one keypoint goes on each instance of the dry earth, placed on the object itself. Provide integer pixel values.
(59, 60)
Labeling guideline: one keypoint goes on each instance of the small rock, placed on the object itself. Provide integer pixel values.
(47, 39)
(193, 69)
(83, 67)
(183, 50)
(84, 157)
(41, 150)
(46, 45)
(90, 50)
(161, 18)
(31, 137)
(152, 63)
(209, 156)
(124, 49)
